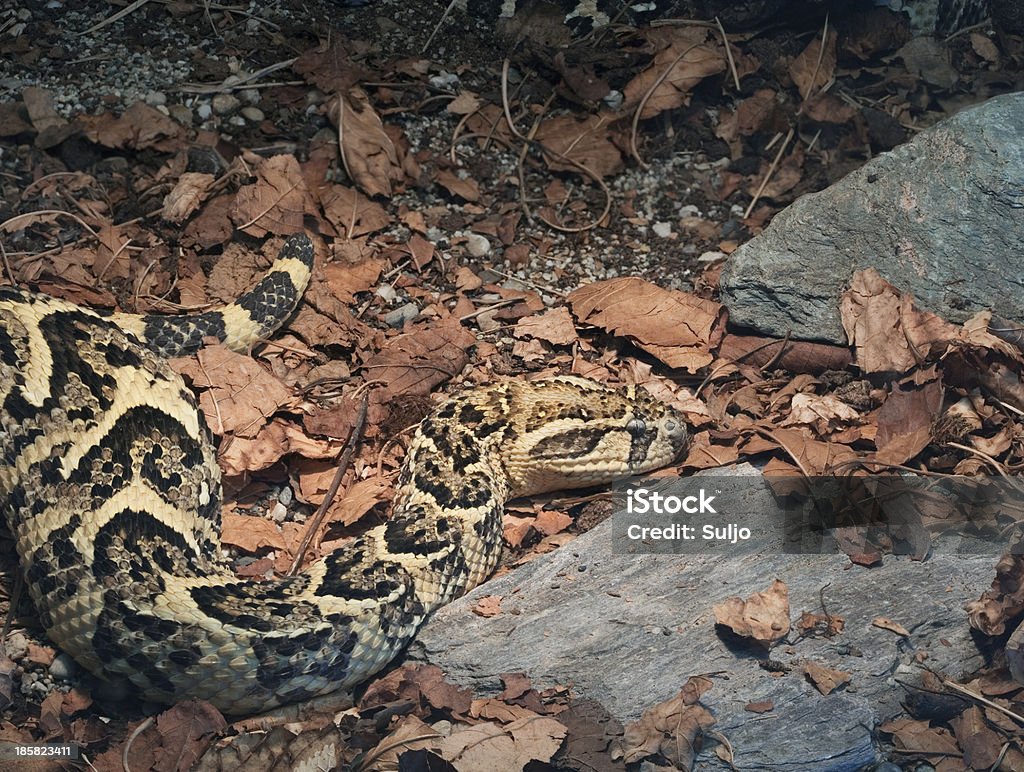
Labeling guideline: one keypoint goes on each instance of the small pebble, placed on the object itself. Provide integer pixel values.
(387, 292)
(204, 111)
(156, 98)
(17, 645)
(181, 114)
(662, 229)
(63, 668)
(225, 104)
(478, 245)
(252, 114)
(401, 315)
(445, 81)
(286, 496)
(278, 512)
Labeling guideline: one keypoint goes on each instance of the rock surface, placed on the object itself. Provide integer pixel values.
(941, 217)
(628, 630)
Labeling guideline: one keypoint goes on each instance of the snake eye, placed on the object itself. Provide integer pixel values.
(636, 427)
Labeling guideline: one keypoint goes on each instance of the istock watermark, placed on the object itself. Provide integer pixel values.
(905, 514)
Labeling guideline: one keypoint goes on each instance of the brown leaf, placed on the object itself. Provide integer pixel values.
(760, 707)
(815, 66)
(274, 440)
(488, 606)
(352, 213)
(487, 747)
(905, 421)
(174, 742)
(465, 188)
(825, 680)
(666, 84)
(823, 412)
(918, 736)
(409, 734)
(277, 202)
(584, 141)
(250, 534)
(554, 325)
(416, 362)
(814, 457)
(359, 499)
(764, 616)
(887, 624)
(550, 522)
(41, 655)
(369, 153)
(139, 127)
(980, 743)
(346, 281)
(758, 112)
(185, 197)
(239, 396)
(670, 728)
(889, 333)
(676, 327)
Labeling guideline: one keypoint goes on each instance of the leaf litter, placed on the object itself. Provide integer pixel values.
(451, 235)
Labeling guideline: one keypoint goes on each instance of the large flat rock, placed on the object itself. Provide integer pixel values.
(628, 630)
(941, 217)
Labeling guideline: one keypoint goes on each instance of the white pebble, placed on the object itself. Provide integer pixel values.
(252, 114)
(225, 103)
(478, 245)
(662, 229)
(63, 668)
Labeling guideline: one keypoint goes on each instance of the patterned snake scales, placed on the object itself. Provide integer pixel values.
(109, 482)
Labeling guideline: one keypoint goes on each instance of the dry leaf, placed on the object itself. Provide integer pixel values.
(666, 84)
(488, 606)
(676, 327)
(277, 202)
(887, 624)
(670, 728)
(554, 326)
(369, 153)
(825, 680)
(815, 66)
(185, 197)
(238, 395)
(889, 333)
(764, 616)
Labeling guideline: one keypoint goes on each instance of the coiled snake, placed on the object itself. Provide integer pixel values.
(110, 485)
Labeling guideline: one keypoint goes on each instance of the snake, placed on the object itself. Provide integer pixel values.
(110, 486)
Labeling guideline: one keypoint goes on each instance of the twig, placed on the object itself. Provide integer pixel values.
(643, 103)
(343, 463)
(437, 27)
(992, 462)
(119, 15)
(979, 698)
(728, 54)
(768, 176)
(341, 135)
(242, 82)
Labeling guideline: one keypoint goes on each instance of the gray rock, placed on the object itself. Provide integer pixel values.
(16, 646)
(399, 316)
(628, 630)
(252, 114)
(225, 104)
(941, 217)
(63, 668)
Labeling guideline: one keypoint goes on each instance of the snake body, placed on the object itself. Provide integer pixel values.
(110, 485)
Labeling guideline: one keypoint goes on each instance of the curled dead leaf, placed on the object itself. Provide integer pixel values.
(764, 616)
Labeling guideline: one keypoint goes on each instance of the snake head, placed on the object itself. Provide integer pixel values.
(572, 433)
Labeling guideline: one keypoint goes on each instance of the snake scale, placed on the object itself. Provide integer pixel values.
(110, 485)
